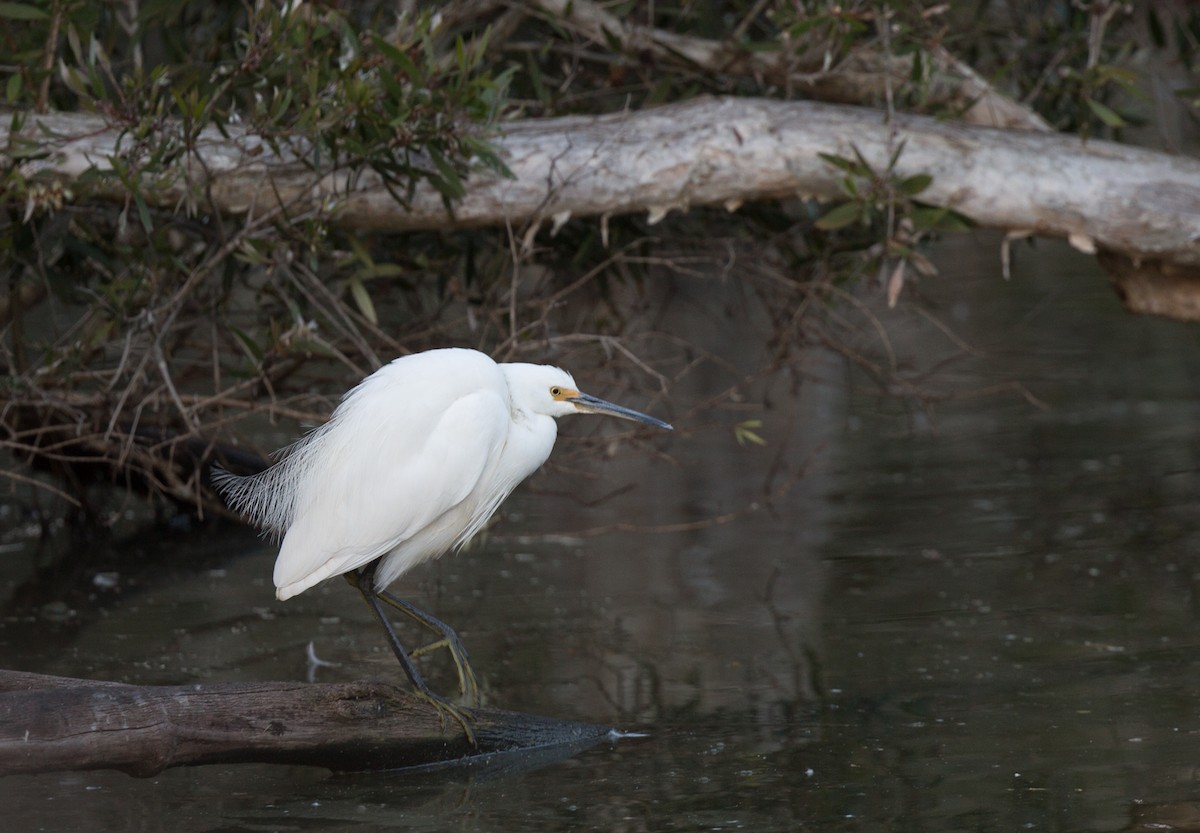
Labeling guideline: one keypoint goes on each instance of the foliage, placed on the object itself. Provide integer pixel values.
(142, 302)
(138, 339)
(883, 203)
(1071, 61)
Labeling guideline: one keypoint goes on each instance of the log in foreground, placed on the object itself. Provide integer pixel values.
(57, 723)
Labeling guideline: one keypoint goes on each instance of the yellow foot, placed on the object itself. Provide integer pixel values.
(447, 709)
(468, 685)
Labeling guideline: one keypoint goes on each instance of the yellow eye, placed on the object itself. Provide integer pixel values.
(556, 391)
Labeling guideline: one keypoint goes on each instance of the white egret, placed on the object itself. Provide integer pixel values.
(413, 461)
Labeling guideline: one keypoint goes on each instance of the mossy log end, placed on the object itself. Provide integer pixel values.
(56, 723)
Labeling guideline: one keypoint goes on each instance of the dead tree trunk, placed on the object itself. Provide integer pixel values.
(1141, 205)
(56, 723)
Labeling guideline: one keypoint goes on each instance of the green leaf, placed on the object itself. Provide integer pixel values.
(484, 152)
(840, 162)
(1105, 114)
(744, 432)
(927, 218)
(12, 89)
(866, 166)
(143, 212)
(360, 251)
(363, 300)
(253, 351)
(397, 57)
(533, 72)
(841, 216)
(1123, 76)
(804, 26)
(393, 88)
(380, 270)
(74, 81)
(20, 11)
(460, 55)
(915, 184)
(452, 186)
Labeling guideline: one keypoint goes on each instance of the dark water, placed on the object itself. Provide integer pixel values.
(979, 614)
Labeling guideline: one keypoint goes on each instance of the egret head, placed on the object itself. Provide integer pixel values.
(542, 389)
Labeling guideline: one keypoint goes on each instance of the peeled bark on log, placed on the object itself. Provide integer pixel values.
(715, 151)
(1154, 287)
(56, 723)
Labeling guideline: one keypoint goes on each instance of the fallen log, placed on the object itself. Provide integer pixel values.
(1102, 196)
(57, 723)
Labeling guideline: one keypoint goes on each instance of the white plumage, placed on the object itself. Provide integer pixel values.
(411, 464)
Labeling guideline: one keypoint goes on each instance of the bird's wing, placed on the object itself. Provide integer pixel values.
(383, 477)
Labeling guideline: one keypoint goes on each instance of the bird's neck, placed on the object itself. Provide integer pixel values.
(530, 441)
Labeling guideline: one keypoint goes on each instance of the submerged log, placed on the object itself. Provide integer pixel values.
(57, 723)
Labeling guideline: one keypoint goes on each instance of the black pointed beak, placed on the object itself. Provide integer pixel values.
(588, 404)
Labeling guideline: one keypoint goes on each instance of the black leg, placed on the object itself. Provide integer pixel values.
(449, 639)
(364, 584)
(364, 580)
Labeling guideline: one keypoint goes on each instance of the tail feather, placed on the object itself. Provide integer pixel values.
(256, 496)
